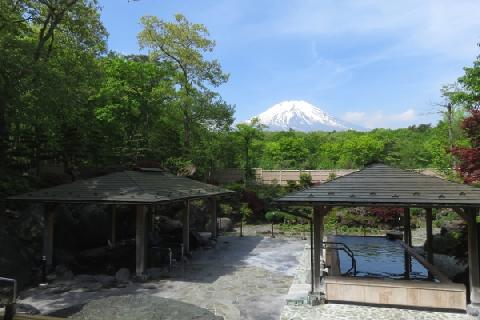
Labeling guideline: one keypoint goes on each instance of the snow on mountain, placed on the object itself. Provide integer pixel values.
(300, 115)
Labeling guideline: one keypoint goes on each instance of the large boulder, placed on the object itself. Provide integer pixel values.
(453, 226)
(122, 275)
(166, 224)
(224, 224)
(105, 280)
(62, 273)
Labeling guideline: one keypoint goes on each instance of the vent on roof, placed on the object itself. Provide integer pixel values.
(416, 194)
(441, 196)
(395, 196)
(373, 193)
(462, 193)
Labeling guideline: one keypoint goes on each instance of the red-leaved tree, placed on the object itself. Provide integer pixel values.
(469, 158)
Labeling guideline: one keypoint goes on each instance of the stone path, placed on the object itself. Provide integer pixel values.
(352, 312)
(242, 278)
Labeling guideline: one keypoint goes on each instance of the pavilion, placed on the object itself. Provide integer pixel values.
(379, 185)
(142, 188)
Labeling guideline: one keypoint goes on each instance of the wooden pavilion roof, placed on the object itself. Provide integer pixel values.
(382, 185)
(146, 186)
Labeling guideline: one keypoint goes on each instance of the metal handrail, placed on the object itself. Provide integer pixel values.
(342, 246)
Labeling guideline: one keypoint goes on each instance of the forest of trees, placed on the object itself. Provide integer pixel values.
(66, 99)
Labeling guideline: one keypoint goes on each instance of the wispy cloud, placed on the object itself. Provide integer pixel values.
(379, 119)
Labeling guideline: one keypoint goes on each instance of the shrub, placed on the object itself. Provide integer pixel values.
(292, 185)
(331, 176)
(305, 180)
(226, 209)
(246, 213)
(280, 217)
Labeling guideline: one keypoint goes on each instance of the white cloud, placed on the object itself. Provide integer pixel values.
(379, 119)
(440, 27)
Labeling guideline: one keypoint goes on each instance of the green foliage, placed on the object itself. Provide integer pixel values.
(440, 219)
(292, 185)
(305, 180)
(246, 213)
(247, 136)
(226, 209)
(280, 217)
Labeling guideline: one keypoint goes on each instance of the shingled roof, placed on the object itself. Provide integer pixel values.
(382, 185)
(143, 186)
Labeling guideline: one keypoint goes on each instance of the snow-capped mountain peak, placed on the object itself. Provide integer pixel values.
(301, 116)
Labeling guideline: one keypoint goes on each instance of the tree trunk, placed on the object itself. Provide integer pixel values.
(186, 131)
(247, 164)
(3, 130)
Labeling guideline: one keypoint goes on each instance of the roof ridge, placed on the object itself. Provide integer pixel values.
(127, 172)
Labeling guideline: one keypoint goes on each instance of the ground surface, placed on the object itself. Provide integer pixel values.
(351, 312)
(242, 278)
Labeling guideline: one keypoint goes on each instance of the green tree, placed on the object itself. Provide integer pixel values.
(248, 134)
(183, 44)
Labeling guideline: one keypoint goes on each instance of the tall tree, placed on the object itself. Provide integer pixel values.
(467, 95)
(35, 36)
(184, 44)
(247, 135)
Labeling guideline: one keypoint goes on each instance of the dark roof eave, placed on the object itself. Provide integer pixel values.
(111, 201)
(312, 202)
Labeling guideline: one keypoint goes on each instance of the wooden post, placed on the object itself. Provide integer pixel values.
(473, 261)
(186, 227)
(48, 232)
(429, 244)
(141, 242)
(407, 232)
(113, 234)
(212, 203)
(319, 213)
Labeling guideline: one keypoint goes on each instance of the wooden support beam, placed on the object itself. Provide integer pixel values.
(48, 232)
(186, 227)
(141, 240)
(407, 231)
(430, 267)
(473, 261)
(212, 204)
(319, 213)
(113, 233)
(429, 244)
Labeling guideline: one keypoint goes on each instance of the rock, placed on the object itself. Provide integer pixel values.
(92, 287)
(165, 224)
(201, 237)
(143, 306)
(105, 280)
(63, 273)
(60, 289)
(156, 273)
(452, 226)
(84, 278)
(224, 224)
(122, 275)
(27, 308)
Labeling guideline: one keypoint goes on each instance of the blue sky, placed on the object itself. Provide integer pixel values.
(375, 63)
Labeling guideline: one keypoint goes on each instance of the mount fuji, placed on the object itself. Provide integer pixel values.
(300, 115)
